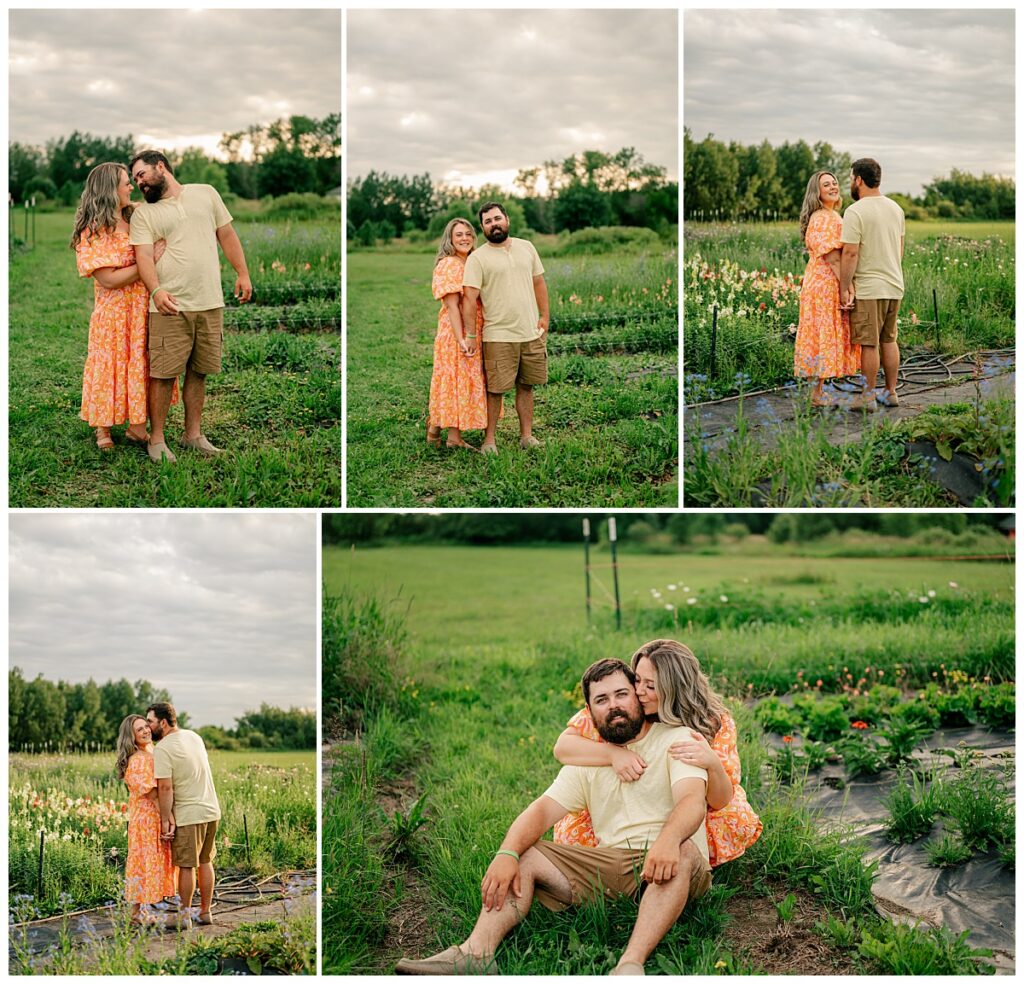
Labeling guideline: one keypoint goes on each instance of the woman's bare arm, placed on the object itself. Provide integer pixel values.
(573, 749)
(114, 278)
(833, 259)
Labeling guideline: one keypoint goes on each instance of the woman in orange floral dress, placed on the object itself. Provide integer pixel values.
(823, 349)
(149, 873)
(116, 377)
(458, 395)
(671, 686)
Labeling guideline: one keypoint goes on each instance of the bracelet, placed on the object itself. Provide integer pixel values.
(511, 854)
(471, 336)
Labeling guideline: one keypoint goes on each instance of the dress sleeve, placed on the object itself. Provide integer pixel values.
(724, 745)
(95, 252)
(139, 774)
(823, 236)
(582, 722)
(447, 277)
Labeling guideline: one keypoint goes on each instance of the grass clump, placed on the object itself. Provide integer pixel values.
(947, 852)
(890, 948)
(912, 807)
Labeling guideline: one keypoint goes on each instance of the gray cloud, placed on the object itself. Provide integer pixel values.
(477, 92)
(923, 91)
(170, 74)
(220, 610)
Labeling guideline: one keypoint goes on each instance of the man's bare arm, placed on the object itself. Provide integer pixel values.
(470, 295)
(232, 246)
(165, 792)
(503, 872)
(540, 291)
(164, 302)
(848, 267)
(662, 863)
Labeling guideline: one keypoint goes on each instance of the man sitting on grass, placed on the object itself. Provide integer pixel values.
(651, 836)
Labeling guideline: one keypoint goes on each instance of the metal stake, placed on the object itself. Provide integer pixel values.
(586, 562)
(714, 342)
(615, 572)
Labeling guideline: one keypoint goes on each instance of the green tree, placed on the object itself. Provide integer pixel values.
(194, 167)
(582, 206)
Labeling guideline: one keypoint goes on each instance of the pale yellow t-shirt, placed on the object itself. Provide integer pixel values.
(877, 224)
(190, 266)
(630, 815)
(181, 757)
(505, 280)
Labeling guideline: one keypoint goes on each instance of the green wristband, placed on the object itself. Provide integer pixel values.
(511, 854)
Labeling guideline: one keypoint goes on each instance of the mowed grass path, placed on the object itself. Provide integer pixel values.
(275, 408)
(497, 640)
(610, 428)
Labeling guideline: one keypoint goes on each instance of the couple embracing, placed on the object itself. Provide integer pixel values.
(648, 801)
(173, 813)
(491, 331)
(852, 287)
(159, 307)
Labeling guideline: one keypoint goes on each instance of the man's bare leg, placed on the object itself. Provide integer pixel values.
(206, 880)
(524, 409)
(492, 927)
(186, 887)
(869, 366)
(891, 365)
(160, 393)
(493, 412)
(193, 394)
(660, 908)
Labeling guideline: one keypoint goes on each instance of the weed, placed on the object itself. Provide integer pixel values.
(978, 807)
(947, 852)
(786, 908)
(402, 826)
(912, 806)
(891, 948)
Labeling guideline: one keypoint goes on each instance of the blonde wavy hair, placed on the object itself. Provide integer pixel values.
(812, 201)
(446, 247)
(685, 697)
(126, 746)
(98, 208)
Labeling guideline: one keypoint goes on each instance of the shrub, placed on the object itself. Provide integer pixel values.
(997, 706)
(610, 239)
(298, 206)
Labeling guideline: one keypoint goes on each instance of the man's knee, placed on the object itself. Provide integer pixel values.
(523, 388)
(689, 857)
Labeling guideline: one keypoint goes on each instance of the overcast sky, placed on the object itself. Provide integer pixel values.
(219, 609)
(474, 96)
(921, 91)
(171, 78)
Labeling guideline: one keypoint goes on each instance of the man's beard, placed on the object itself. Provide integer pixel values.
(855, 193)
(496, 234)
(623, 729)
(155, 191)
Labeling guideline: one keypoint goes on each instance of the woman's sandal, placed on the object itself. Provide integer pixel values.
(135, 439)
(104, 441)
(828, 401)
(433, 436)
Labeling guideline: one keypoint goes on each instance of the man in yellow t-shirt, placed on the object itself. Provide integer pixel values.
(507, 277)
(651, 830)
(186, 319)
(871, 277)
(189, 809)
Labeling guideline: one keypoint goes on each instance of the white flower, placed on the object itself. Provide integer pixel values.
(923, 599)
(723, 598)
(931, 594)
(686, 590)
(670, 608)
(953, 584)
(672, 587)
(691, 601)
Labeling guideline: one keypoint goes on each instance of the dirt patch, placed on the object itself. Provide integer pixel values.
(755, 931)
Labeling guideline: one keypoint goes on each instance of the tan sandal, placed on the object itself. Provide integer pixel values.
(433, 436)
(104, 441)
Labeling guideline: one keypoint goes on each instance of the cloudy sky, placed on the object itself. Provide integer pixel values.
(474, 96)
(171, 78)
(219, 609)
(922, 91)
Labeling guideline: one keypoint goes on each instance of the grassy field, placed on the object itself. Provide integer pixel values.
(608, 415)
(79, 803)
(485, 680)
(275, 408)
(752, 273)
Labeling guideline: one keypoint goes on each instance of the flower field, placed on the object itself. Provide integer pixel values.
(752, 274)
(78, 808)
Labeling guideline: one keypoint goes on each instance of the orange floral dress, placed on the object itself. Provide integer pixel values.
(149, 874)
(730, 830)
(116, 376)
(823, 349)
(458, 394)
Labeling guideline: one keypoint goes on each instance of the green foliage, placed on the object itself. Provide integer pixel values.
(979, 808)
(997, 704)
(609, 239)
(402, 826)
(892, 948)
(299, 207)
(843, 934)
(775, 716)
(912, 806)
(947, 852)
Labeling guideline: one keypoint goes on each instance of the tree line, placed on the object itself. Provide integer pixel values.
(300, 154)
(682, 528)
(734, 181)
(62, 716)
(586, 190)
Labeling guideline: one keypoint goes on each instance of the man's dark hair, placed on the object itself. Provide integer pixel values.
(868, 170)
(150, 157)
(605, 668)
(486, 207)
(163, 711)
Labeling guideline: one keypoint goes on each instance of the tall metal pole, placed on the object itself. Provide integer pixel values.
(935, 305)
(615, 571)
(33, 221)
(586, 562)
(39, 882)
(714, 343)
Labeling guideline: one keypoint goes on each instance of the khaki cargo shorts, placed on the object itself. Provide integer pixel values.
(508, 363)
(873, 321)
(608, 871)
(188, 339)
(194, 844)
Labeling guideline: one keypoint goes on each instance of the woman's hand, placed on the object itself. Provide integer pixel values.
(628, 765)
(696, 751)
(468, 344)
(502, 875)
(159, 248)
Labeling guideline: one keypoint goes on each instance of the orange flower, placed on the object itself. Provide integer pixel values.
(860, 725)
(787, 739)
